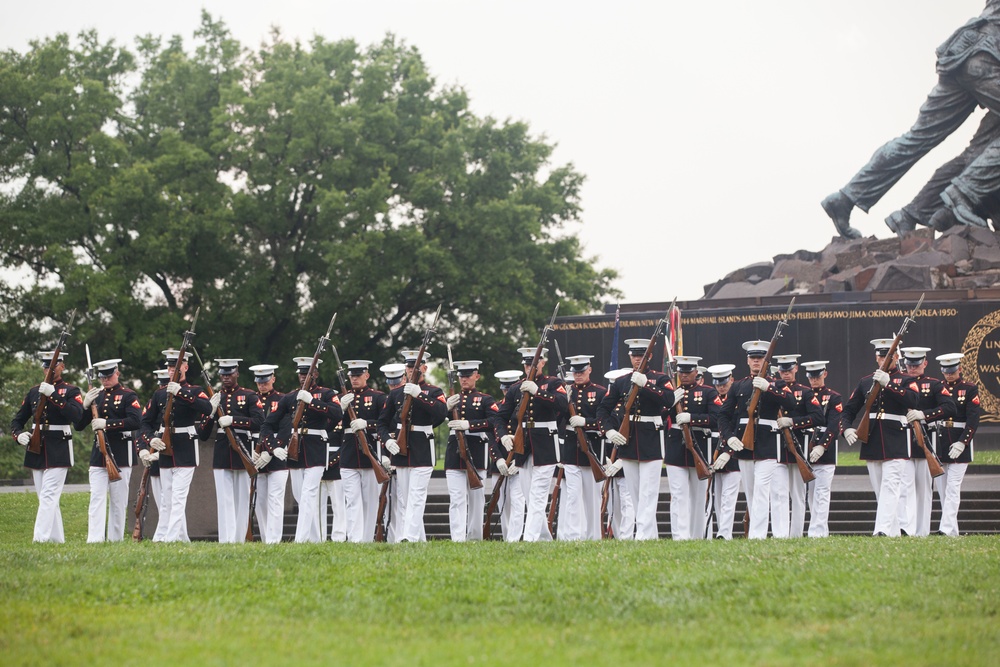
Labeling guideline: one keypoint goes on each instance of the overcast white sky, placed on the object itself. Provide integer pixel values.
(708, 131)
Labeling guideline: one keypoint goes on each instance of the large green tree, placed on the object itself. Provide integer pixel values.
(272, 188)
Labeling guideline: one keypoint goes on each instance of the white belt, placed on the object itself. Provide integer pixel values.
(241, 431)
(189, 430)
(951, 424)
(552, 426)
(763, 422)
(889, 417)
(314, 431)
(426, 430)
(469, 434)
(65, 429)
(658, 421)
(699, 429)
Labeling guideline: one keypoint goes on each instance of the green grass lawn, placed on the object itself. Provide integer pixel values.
(836, 601)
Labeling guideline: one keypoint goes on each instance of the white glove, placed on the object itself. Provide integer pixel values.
(359, 424)
(679, 394)
(262, 460)
(459, 425)
(639, 379)
(157, 444)
(721, 461)
(216, 401)
(881, 377)
(956, 450)
(735, 444)
(616, 438)
(254, 456)
(391, 446)
(154, 457)
(346, 400)
(225, 421)
(304, 396)
(46, 389)
(512, 469)
(91, 396)
(530, 387)
(386, 463)
(508, 442)
(23, 438)
(612, 468)
(683, 418)
(576, 421)
(915, 415)
(851, 435)
(816, 453)
(453, 401)
(280, 453)
(173, 388)
(502, 467)
(785, 422)
(145, 457)
(761, 383)
(411, 389)
(99, 424)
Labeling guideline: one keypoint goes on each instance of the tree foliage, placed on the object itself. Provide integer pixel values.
(272, 188)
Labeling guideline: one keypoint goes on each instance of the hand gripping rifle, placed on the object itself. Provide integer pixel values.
(463, 448)
(865, 425)
(647, 356)
(792, 445)
(293, 441)
(381, 474)
(700, 464)
(522, 406)
(168, 409)
(748, 432)
(934, 466)
(581, 437)
(114, 473)
(35, 444)
(404, 413)
(234, 443)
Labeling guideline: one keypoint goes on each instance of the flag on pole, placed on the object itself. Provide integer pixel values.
(613, 364)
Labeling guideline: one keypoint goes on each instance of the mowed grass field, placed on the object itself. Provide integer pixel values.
(837, 601)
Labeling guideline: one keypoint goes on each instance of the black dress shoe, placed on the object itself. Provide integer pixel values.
(880, 534)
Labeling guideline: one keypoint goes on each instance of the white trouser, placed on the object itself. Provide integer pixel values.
(295, 477)
(590, 504)
(819, 499)
(797, 496)
(536, 482)
(361, 501)
(727, 490)
(643, 482)
(687, 503)
(915, 499)
(307, 526)
(622, 510)
(270, 507)
(466, 506)
(48, 521)
(108, 505)
(512, 506)
(232, 501)
(746, 475)
(571, 524)
(949, 489)
(176, 483)
(770, 498)
(156, 491)
(411, 499)
(893, 472)
(331, 492)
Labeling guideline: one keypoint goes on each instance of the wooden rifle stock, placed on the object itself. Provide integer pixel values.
(700, 465)
(141, 500)
(110, 465)
(35, 444)
(404, 413)
(471, 474)
(864, 426)
(748, 431)
(554, 506)
(792, 445)
(381, 474)
(168, 409)
(383, 501)
(491, 508)
(933, 462)
(606, 530)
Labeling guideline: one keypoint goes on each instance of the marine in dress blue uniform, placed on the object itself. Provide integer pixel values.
(726, 476)
(955, 439)
(580, 499)
(512, 503)
(822, 447)
(360, 487)
(272, 471)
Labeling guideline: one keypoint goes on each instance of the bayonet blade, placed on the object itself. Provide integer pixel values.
(437, 316)
(913, 315)
(329, 329)
(194, 322)
(788, 313)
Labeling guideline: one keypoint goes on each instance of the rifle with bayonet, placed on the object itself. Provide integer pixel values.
(381, 474)
(748, 431)
(110, 465)
(522, 406)
(887, 363)
(168, 409)
(701, 466)
(404, 413)
(454, 387)
(234, 442)
(293, 441)
(35, 444)
(581, 437)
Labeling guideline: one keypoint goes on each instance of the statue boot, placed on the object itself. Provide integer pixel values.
(839, 206)
(901, 222)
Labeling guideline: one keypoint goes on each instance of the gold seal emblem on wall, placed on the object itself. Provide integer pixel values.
(981, 363)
